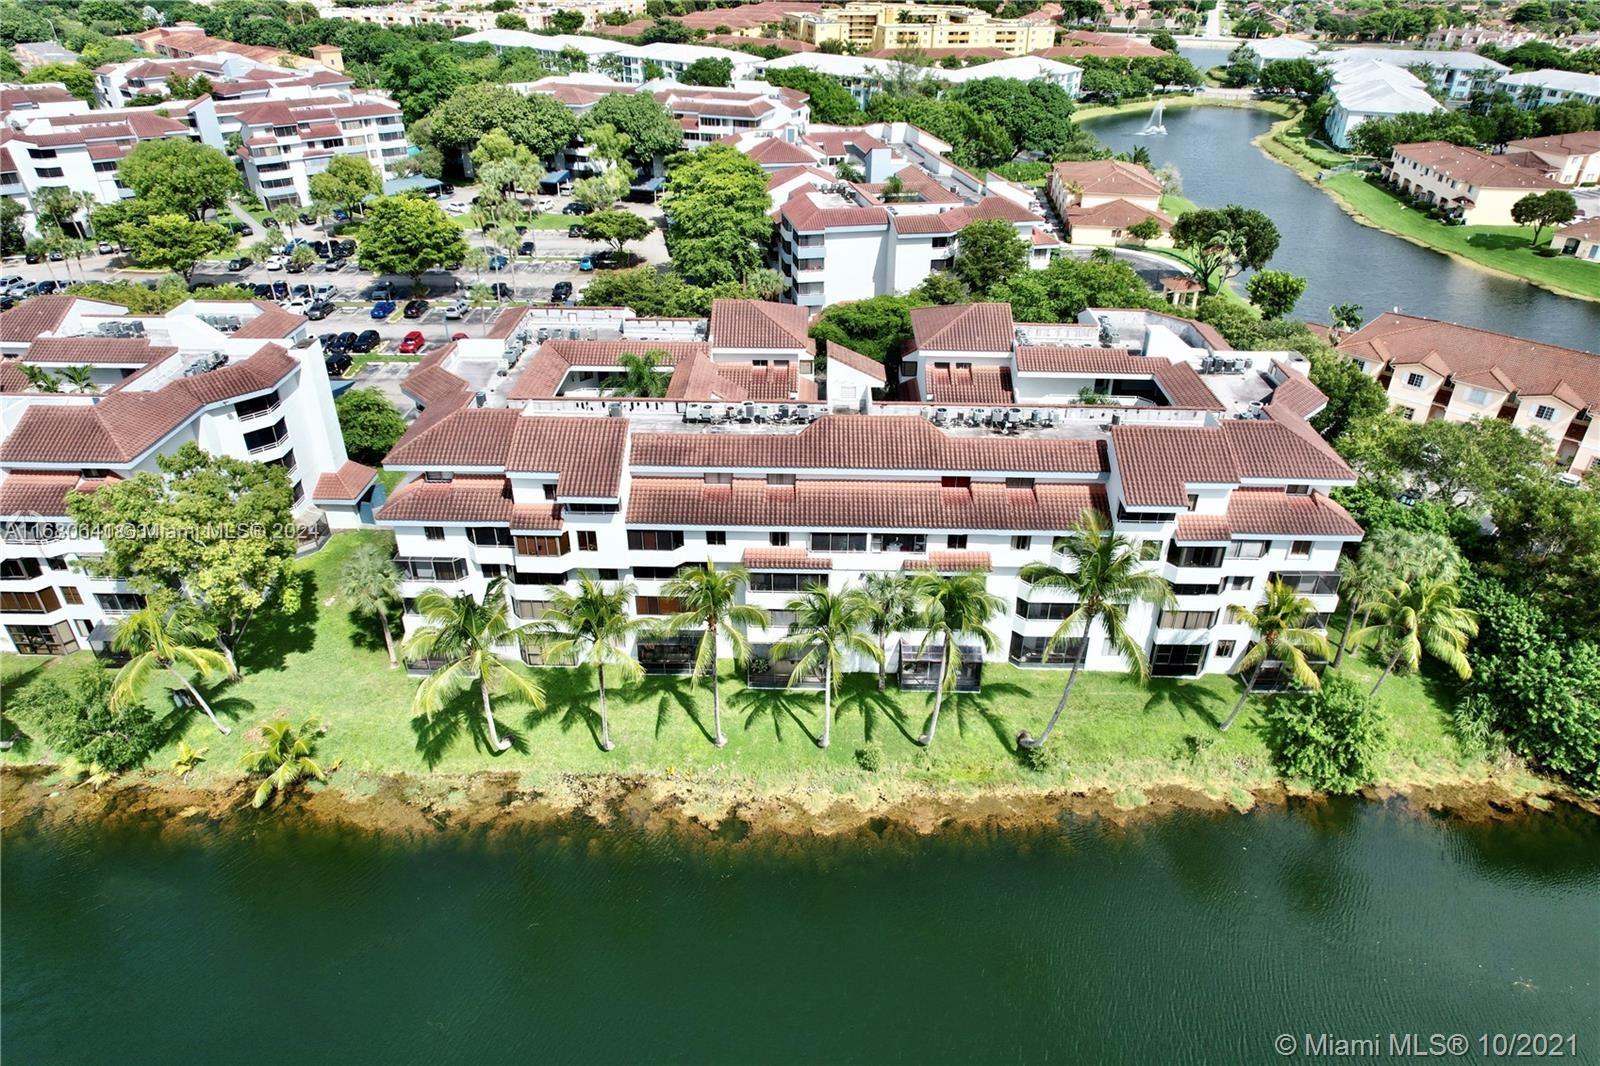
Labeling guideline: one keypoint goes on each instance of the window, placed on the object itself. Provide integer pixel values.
(1415, 381)
(1477, 397)
(716, 538)
(1544, 413)
(1247, 549)
(15, 569)
(784, 581)
(952, 482)
(609, 574)
(1194, 590)
(655, 540)
(423, 569)
(489, 536)
(543, 547)
(525, 577)
(258, 440)
(549, 488)
(1238, 584)
(51, 172)
(1149, 550)
(838, 542)
(1146, 517)
(1019, 482)
(1177, 660)
(1171, 619)
(1309, 584)
(781, 479)
(956, 542)
(1030, 651)
(433, 532)
(661, 573)
(72, 596)
(119, 602)
(1194, 501)
(656, 605)
(438, 476)
(1300, 549)
(1225, 649)
(778, 540)
(1021, 544)
(1055, 612)
(30, 602)
(43, 640)
(590, 508)
(1297, 490)
(258, 405)
(899, 542)
(1178, 555)
(588, 540)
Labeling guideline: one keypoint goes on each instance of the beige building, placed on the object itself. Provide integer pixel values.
(1572, 158)
(1480, 188)
(1101, 200)
(1434, 369)
(873, 27)
(1581, 240)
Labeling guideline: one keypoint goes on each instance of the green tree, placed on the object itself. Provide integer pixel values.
(76, 78)
(1412, 618)
(166, 631)
(617, 228)
(830, 101)
(1274, 292)
(538, 123)
(369, 422)
(178, 176)
(876, 327)
(951, 607)
(1540, 209)
(1147, 229)
(1105, 579)
(1035, 115)
(648, 292)
(593, 626)
(70, 704)
(717, 201)
(826, 630)
(710, 601)
(887, 607)
(565, 21)
(1333, 737)
(712, 72)
(988, 253)
(347, 182)
(369, 583)
(640, 376)
(11, 238)
(650, 128)
(1390, 554)
(420, 79)
(285, 756)
(174, 242)
(409, 235)
(1282, 636)
(1345, 317)
(463, 635)
(1225, 241)
(1547, 544)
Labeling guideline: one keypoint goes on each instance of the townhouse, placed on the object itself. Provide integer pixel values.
(1076, 44)
(1101, 200)
(1581, 240)
(868, 27)
(1199, 453)
(1478, 188)
(1569, 158)
(1433, 369)
(238, 379)
(231, 77)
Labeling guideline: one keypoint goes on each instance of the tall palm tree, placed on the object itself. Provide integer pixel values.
(1360, 581)
(826, 629)
(367, 582)
(466, 634)
(285, 756)
(159, 636)
(639, 377)
(593, 625)
(1417, 618)
(950, 607)
(1279, 624)
(887, 608)
(1106, 578)
(287, 214)
(710, 599)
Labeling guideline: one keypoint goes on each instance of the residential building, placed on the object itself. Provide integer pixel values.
(1217, 476)
(1471, 38)
(1478, 188)
(21, 103)
(1581, 240)
(1271, 49)
(711, 114)
(1366, 89)
(1455, 75)
(287, 142)
(868, 27)
(1541, 88)
(185, 40)
(864, 75)
(748, 20)
(232, 77)
(32, 54)
(1570, 158)
(1101, 200)
(1076, 44)
(237, 378)
(629, 63)
(1433, 369)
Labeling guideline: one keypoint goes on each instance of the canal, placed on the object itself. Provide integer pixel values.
(1344, 261)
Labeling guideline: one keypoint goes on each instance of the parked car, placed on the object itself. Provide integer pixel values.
(319, 310)
(575, 230)
(526, 248)
(383, 290)
(307, 220)
(270, 222)
(347, 247)
(347, 340)
(498, 262)
(546, 203)
(45, 288)
(341, 215)
(105, 247)
(334, 265)
(586, 262)
(301, 291)
(263, 290)
(280, 290)
(458, 336)
(298, 305)
(321, 248)
(275, 262)
(501, 290)
(575, 208)
(338, 364)
(33, 257)
(456, 209)
(324, 292)
(57, 256)
(10, 280)
(292, 267)
(238, 263)
(367, 341)
(330, 343)
(446, 189)
(411, 343)
(415, 308)
(382, 309)
(456, 309)
(561, 293)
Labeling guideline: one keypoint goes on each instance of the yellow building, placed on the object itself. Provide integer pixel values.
(872, 27)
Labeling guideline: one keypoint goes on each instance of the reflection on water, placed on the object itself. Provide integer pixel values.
(1344, 261)
(1184, 939)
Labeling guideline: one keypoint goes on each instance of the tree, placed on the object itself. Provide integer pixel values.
(616, 228)
(1146, 229)
(640, 376)
(347, 182)
(409, 235)
(876, 327)
(11, 237)
(1035, 115)
(604, 189)
(717, 202)
(830, 101)
(182, 88)
(648, 292)
(1225, 241)
(421, 78)
(711, 72)
(1411, 618)
(463, 635)
(369, 422)
(166, 631)
(285, 756)
(566, 21)
(988, 252)
(174, 242)
(709, 599)
(825, 631)
(1274, 292)
(1165, 41)
(1540, 209)
(1345, 317)
(76, 78)
(303, 256)
(1548, 545)
(887, 608)
(179, 176)
(593, 625)
(368, 581)
(1333, 737)
(1106, 578)
(1282, 636)
(212, 530)
(70, 704)
(508, 21)
(951, 607)
(650, 128)
(536, 122)
(1390, 554)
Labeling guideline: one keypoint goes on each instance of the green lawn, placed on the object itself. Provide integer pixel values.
(1174, 205)
(1116, 735)
(1290, 143)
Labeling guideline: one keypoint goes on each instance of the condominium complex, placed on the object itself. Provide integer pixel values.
(238, 379)
(1474, 186)
(867, 27)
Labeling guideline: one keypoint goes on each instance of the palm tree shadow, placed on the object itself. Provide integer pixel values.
(1184, 697)
(982, 705)
(438, 732)
(669, 691)
(366, 632)
(577, 713)
(874, 705)
(776, 704)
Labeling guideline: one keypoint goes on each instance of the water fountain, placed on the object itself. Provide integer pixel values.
(1155, 127)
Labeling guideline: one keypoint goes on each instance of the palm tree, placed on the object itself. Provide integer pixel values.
(465, 634)
(1422, 617)
(40, 379)
(287, 214)
(710, 598)
(1106, 578)
(639, 376)
(367, 582)
(886, 609)
(481, 297)
(1360, 580)
(1279, 623)
(285, 757)
(826, 628)
(81, 378)
(158, 636)
(949, 607)
(593, 625)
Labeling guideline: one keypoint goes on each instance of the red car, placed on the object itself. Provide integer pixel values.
(412, 344)
(458, 336)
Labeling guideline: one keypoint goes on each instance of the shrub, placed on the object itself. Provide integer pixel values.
(70, 705)
(869, 757)
(1044, 758)
(1333, 738)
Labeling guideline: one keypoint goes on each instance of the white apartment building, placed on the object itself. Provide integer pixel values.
(287, 142)
(1455, 74)
(634, 64)
(238, 379)
(1199, 453)
(1541, 88)
(232, 77)
(1365, 89)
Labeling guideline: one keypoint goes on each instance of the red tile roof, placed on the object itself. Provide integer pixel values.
(760, 325)
(273, 323)
(1115, 214)
(1582, 143)
(28, 494)
(986, 385)
(1178, 380)
(785, 559)
(951, 562)
(1107, 177)
(96, 351)
(1472, 167)
(344, 485)
(550, 363)
(788, 44)
(584, 453)
(1268, 511)
(979, 327)
(1294, 396)
(1587, 230)
(810, 212)
(1202, 529)
(1157, 464)
(775, 151)
(41, 314)
(856, 361)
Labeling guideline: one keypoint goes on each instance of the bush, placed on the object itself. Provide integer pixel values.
(870, 757)
(1044, 758)
(70, 705)
(370, 424)
(1333, 738)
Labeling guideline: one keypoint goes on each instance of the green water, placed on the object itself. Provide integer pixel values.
(1188, 939)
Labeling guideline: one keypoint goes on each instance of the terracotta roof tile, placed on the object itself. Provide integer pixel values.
(32, 493)
(978, 327)
(1202, 529)
(585, 454)
(785, 559)
(856, 361)
(344, 485)
(983, 385)
(951, 562)
(760, 324)
(1157, 464)
(1180, 383)
(30, 318)
(463, 499)
(273, 323)
(96, 351)
(1108, 177)
(1271, 511)
(1472, 167)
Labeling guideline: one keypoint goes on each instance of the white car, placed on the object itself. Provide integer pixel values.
(276, 262)
(324, 292)
(547, 204)
(298, 305)
(456, 309)
(457, 209)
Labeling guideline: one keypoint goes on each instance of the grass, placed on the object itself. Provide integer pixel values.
(1291, 143)
(324, 662)
(1174, 205)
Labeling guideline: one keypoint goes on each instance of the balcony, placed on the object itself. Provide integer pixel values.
(764, 671)
(670, 655)
(920, 670)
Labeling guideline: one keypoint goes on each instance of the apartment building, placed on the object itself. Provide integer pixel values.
(1101, 200)
(1569, 158)
(863, 75)
(21, 103)
(1477, 187)
(287, 142)
(869, 27)
(185, 40)
(630, 63)
(238, 379)
(1199, 453)
(1366, 89)
(232, 77)
(1433, 369)
(1455, 75)
(711, 114)
(1541, 88)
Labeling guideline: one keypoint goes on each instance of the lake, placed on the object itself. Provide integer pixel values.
(1185, 938)
(1344, 261)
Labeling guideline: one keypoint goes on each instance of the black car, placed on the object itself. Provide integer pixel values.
(501, 291)
(347, 247)
(280, 290)
(446, 189)
(301, 291)
(415, 308)
(243, 262)
(321, 248)
(307, 220)
(33, 257)
(346, 340)
(319, 311)
(263, 290)
(45, 288)
(270, 222)
(338, 364)
(329, 342)
(368, 340)
(292, 267)
(526, 248)
(575, 230)
(561, 293)
(576, 208)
